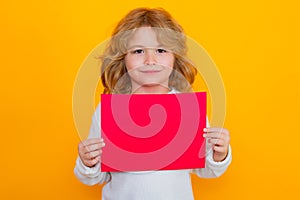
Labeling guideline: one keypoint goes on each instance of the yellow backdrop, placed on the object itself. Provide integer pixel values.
(255, 45)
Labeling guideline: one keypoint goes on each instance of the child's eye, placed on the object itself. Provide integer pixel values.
(138, 51)
(161, 51)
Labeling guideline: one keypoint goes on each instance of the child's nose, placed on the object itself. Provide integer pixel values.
(150, 58)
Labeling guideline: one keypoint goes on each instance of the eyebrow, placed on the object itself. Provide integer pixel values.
(142, 46)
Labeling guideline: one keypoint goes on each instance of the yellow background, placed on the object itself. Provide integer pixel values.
(255, 45)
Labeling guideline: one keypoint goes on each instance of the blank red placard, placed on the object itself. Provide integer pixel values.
(153, 131)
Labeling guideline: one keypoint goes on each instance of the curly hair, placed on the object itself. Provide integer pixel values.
(114, 76)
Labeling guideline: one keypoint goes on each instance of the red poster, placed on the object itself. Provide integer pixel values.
(153, 131)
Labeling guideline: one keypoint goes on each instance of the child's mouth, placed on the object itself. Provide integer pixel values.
(150, 71)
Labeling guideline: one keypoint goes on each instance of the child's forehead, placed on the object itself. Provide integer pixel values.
(144, 36)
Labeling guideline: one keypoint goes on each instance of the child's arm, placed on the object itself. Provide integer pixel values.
(87, 168)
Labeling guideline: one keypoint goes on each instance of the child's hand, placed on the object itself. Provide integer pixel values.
(219, 138)
(90, 151)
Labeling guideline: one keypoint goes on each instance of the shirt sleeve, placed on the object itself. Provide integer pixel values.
(212, 168)
(92, 175)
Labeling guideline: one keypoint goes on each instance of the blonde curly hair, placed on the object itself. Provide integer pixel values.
(114, 76)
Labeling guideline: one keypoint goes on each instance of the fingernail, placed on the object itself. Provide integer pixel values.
(204, 135)
(205, 129)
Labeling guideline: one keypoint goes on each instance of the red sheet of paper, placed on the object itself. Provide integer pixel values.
(153, 131)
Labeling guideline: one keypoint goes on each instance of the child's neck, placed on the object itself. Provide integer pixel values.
(151, 89)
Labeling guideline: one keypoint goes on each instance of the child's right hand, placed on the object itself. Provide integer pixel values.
(90, 151)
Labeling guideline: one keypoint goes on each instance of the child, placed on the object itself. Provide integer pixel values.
(147, 55)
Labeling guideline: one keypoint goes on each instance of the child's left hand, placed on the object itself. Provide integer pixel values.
(219, 138)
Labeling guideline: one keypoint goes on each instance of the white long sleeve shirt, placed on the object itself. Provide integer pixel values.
(146, 185)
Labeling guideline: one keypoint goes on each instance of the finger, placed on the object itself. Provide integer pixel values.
(213, 135)
(92, 155)
(95, 147)
(220, 149)
(92, 162)
(91, 141)
(216, 130)
(82, 145)
(216, 142)
(92, 147)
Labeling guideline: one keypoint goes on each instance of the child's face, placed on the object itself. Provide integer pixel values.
(147, 61)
